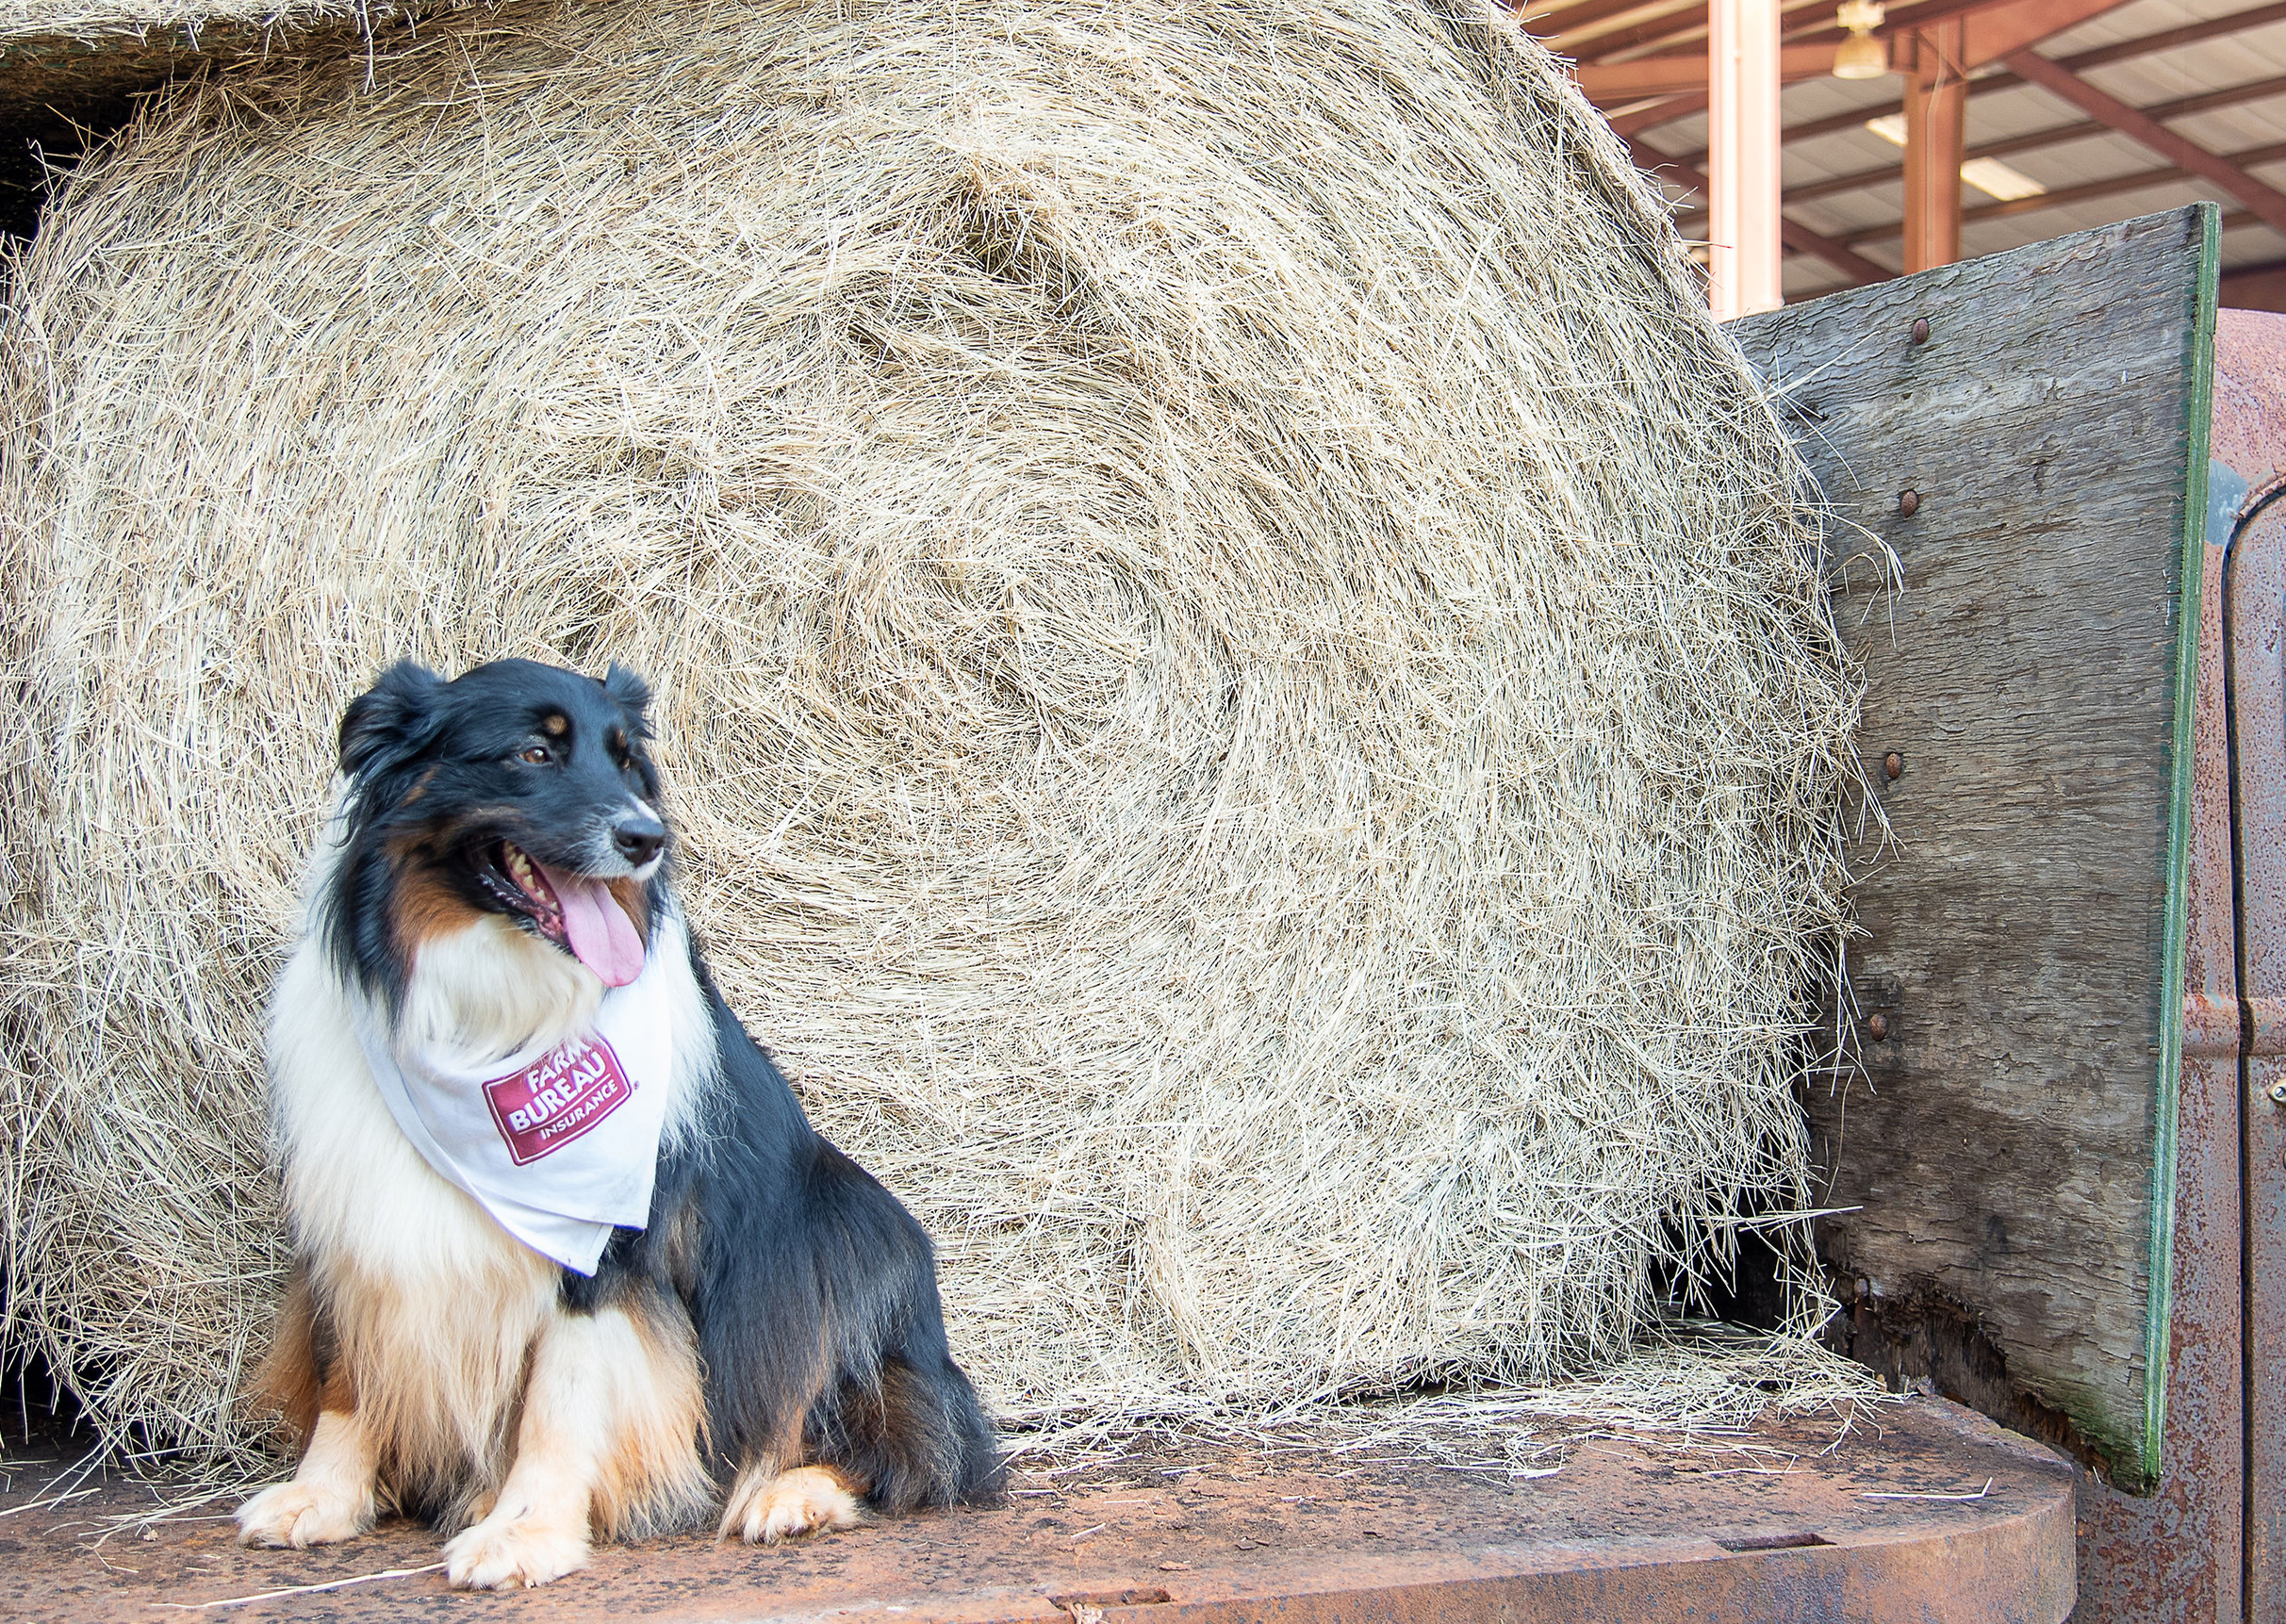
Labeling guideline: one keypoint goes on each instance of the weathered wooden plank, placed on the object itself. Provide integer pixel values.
(2007, 1146)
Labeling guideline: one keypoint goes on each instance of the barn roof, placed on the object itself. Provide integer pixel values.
(2211, 72)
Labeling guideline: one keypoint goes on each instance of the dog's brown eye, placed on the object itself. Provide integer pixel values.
(537, 754)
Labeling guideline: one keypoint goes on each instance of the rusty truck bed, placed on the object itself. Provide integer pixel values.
(1621, 1532)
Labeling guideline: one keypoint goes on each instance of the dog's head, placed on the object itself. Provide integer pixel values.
(517, 790)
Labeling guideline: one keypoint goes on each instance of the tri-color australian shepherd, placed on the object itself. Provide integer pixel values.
(492, 885)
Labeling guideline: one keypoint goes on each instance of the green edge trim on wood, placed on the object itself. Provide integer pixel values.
(2198, 410)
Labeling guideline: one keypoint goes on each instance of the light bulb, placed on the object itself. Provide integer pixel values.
(1861, 56)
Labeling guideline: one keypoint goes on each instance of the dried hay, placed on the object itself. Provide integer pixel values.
(45, 24)
(1242, 669)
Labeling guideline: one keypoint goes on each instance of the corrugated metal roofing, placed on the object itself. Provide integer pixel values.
(1867, 218)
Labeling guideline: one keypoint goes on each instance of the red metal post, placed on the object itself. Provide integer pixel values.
(1936, 112)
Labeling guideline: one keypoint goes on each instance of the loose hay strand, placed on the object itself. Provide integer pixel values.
(1243, 673)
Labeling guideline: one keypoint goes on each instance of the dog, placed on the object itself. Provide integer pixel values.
(570, 1261)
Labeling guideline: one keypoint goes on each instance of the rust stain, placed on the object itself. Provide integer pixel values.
(2209, 1546)
(1621, 1532)
(2250, 436)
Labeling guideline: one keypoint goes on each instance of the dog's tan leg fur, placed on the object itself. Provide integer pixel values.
(331, 1497)
(767, 1505)
(594, 1406)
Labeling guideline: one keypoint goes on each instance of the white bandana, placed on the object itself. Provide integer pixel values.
(559, 1144)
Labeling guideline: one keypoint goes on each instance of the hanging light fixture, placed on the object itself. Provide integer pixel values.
(1861, 56)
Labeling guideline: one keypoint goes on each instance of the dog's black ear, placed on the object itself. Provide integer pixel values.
(632, 695)
(394, 717)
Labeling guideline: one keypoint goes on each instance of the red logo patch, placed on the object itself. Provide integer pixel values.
(557, 1098)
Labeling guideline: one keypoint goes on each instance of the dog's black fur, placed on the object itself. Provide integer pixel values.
(436, 782)
(812, 1292)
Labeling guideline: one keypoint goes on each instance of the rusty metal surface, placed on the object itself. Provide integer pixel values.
(2212, 1547)
(2176, 1557)
(2255, 404)
(1620, 1533)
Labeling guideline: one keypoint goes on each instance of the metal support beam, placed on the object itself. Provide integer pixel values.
(2165, 112)
(1904, 20)
(2175, 38)
(2268, 204)
(1562, 25)
(2088, 191)
(1664, 112)
(1996, 26)
(1990, 35)
(1685, 71)
(1937, 108)
(2079, 61)
(1742, 127)
(1602, 35)
(1798, 237)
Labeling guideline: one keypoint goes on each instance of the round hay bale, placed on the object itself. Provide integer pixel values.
(1243, 671)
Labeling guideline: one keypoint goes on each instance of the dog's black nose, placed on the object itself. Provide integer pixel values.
(639, 839)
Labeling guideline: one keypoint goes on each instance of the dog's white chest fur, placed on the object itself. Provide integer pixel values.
(438, 1306)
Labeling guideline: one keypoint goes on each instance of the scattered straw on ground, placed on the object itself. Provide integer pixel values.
(1242, 670)
(1690, 1387)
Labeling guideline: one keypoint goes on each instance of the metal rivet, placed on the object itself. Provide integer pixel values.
(2278, 1092)
(1878, 1026)
(1920, 329)
(1894, 764)
(1908, 503)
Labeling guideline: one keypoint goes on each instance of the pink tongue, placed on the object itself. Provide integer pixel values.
(602, 937)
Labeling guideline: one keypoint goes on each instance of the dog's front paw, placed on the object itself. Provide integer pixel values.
(510, 1554)
(303, 1514)
(800, 1502)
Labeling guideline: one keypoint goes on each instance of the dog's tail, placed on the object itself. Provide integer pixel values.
(898, 1412)
(827, 1328)
(915, 1434)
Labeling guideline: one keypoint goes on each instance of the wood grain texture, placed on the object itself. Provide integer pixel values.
(2007, 1143)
